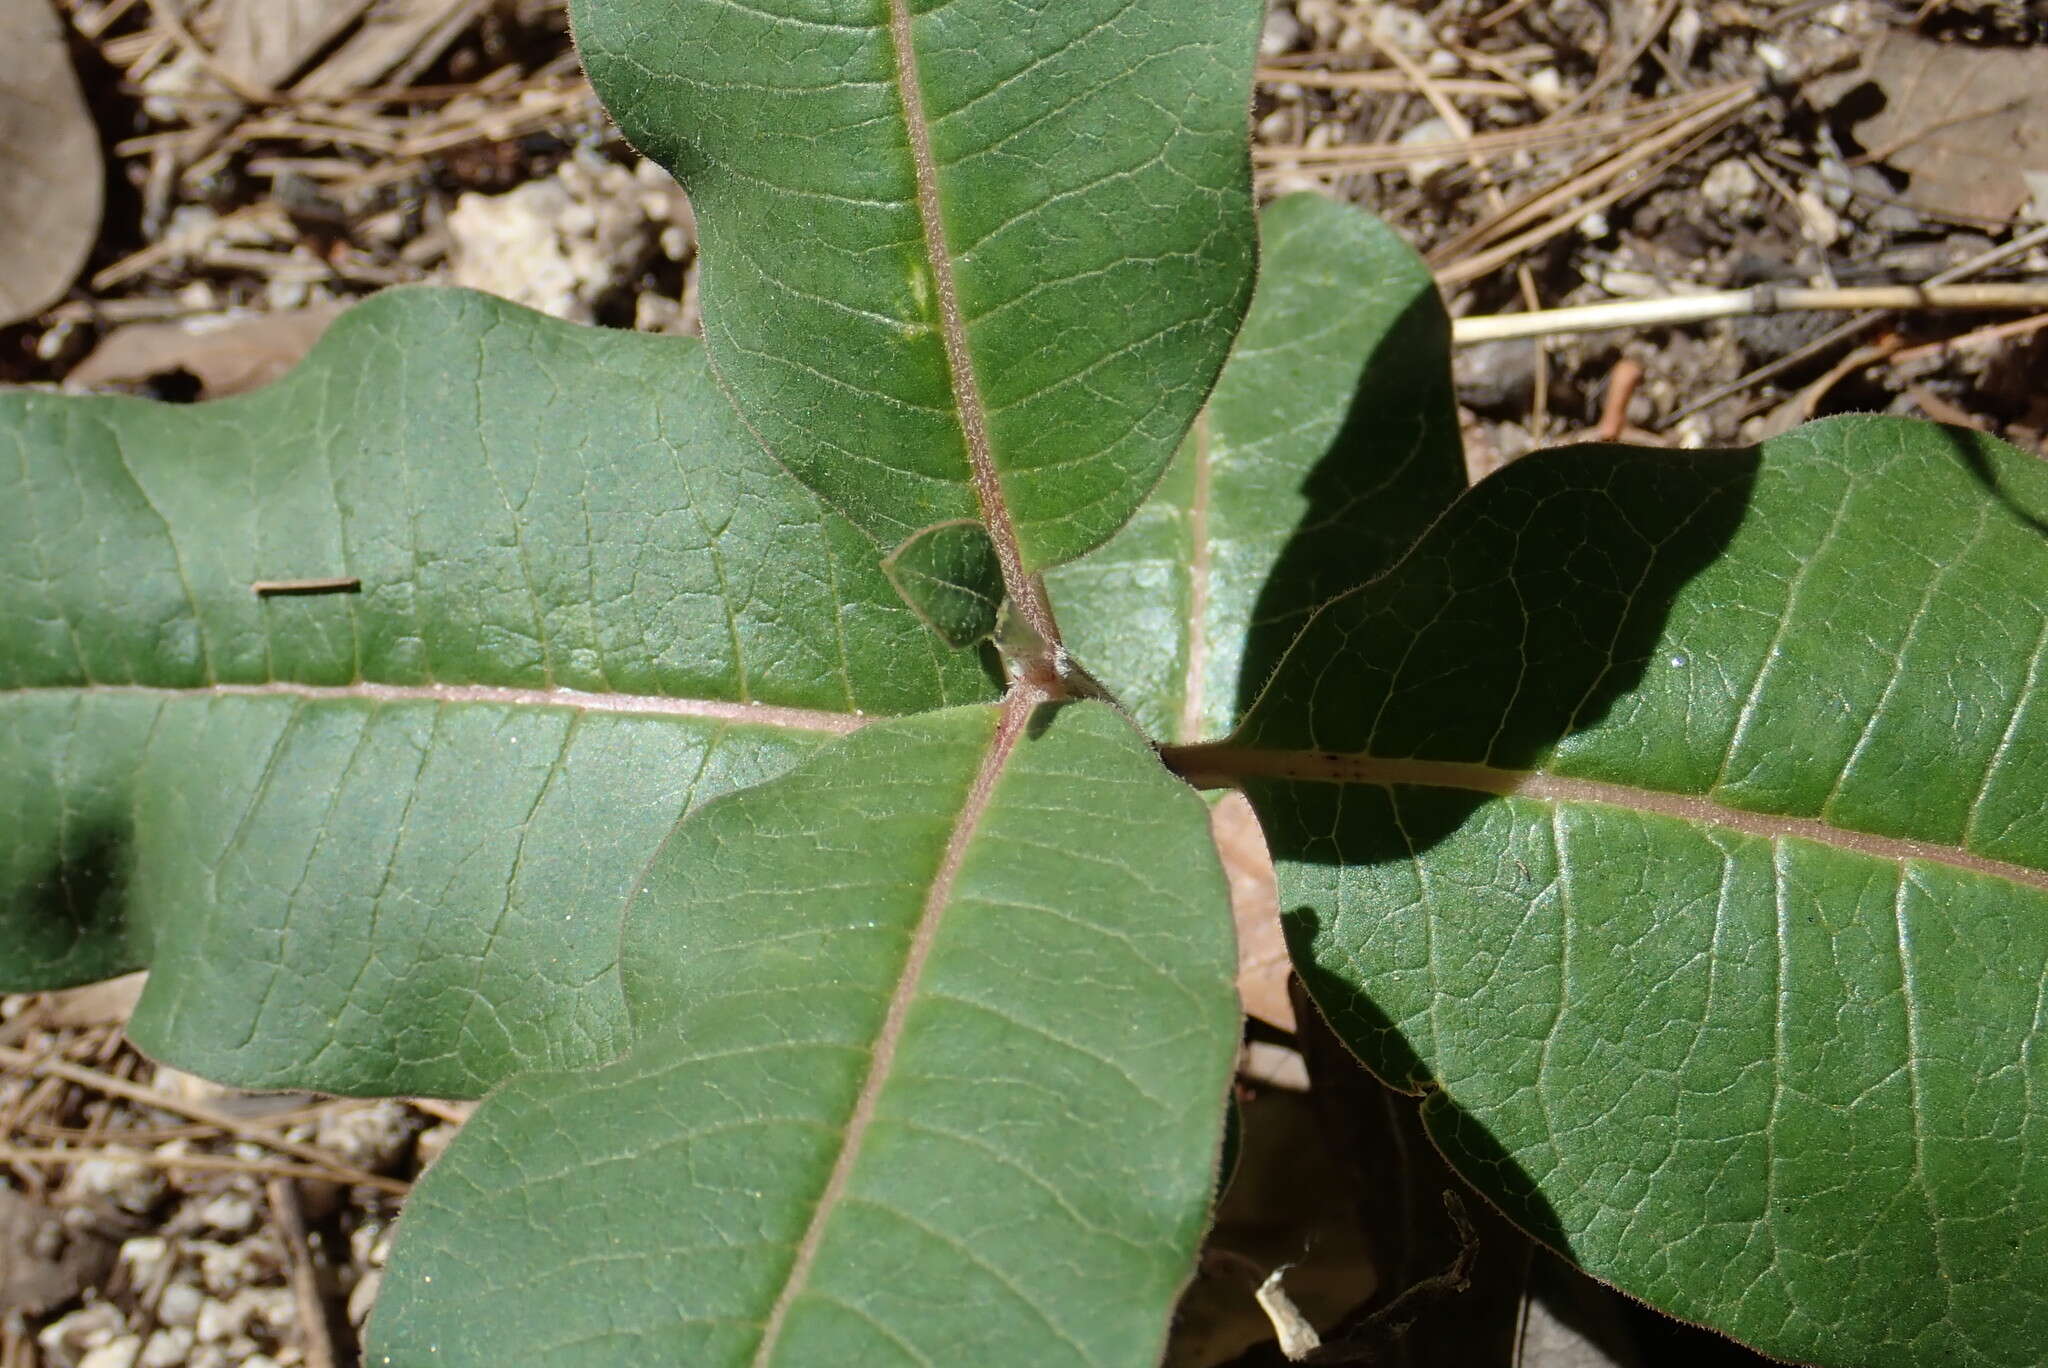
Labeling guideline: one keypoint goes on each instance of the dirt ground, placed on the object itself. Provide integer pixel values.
(267, 161)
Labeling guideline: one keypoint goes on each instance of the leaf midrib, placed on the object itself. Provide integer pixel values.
(1027, 597)
(1201, 557)
(706, 709)
(1017, 708)
(1221, 763)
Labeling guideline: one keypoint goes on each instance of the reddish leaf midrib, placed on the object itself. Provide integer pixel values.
(1201, 556)
(1026, 595)
(1017, 709)
(1226, 764)
(708, 709)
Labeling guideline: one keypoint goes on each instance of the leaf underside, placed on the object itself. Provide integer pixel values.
(945, 573)
(380, 841)
(1675, 821)
(903, 1090)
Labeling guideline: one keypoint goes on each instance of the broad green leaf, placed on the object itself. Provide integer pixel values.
(934, 1037)
(1330, 443)
(381, 840)
(1676, 822)
(980, 241)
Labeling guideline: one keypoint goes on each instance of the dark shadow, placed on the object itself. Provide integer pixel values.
(1484, 632)
(69, 926)
(1972, 450)
(1513, 1281)
(1394, 465)
(1534, 603)
(1528, 609)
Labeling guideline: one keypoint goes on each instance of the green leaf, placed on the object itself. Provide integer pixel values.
(977, 243)
(934, 1041)
(381, 840)
(1674, 822)
(945, 573)
(1330, 443)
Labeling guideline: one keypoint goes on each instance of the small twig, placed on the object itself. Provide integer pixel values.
(315, 1342)
(506, 80)
(1490, 260)
(93, 25)
(1545, 100)
(1632, 171)
(1495, 17)
(169, 249)
(1820, 346)
(448, 1113)
(1971, 341)
(1383, 80)
(166, 14)
(1614, 71)
(1762, 299)
(1856, 327)
(1363, 1342)
(1621, 387)
(207, 1163)
(1808, 401)
(149, 1305)
(1860, 190)
(325, 1165)
(1887, 151)
(1532, 208)
(1941, 410)
(1502, 141)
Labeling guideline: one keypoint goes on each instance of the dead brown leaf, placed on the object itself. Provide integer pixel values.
(1262, 960)
(50, 173)
(396, 42)
(226, 356)
(45, 1261)
(267, 42)
(1966, 124)
(107, 1003)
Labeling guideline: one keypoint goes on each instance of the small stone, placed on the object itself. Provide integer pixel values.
(363, 1296)
(142, 1257)
(1495, 378)
(115, 1353)
(117, 1180)
(70, 1338)
(1404, 28)
(167, 1348)
(1281, 34)
(1429, 132)
(433, 1141)
(180, 1305)
(558, 245)
(1731, 185)
(370, 1138)
(231, 1213)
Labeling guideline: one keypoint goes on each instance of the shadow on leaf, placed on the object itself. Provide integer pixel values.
(1530, 609)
